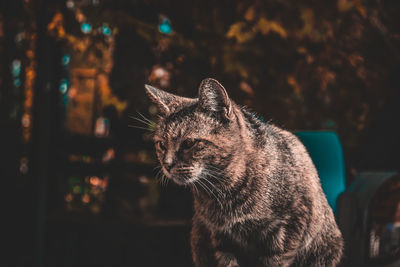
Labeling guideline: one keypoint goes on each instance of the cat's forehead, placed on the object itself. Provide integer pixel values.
(186, 125)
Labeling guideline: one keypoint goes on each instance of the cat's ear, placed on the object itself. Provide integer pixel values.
(213, 97)
(167, 103)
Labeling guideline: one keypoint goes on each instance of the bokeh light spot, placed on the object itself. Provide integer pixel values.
(68, 197)
(86, 28)
(76, 189)
(165, 26)
(23, 167)
(26, 121)
(63, 86)
(94, 181)
(106, 30)
(66, 59)
(17, 82)
(70, 4)
(16, 67)
(85, 198)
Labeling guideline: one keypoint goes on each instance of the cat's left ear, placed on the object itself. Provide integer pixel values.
(213, 97)
(167, 103)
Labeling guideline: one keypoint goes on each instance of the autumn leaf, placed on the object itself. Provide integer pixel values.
(294, 84)
(360, 8)
(277, 28)
(266, 26)
(250, 13)
(239, 32)
(307, 16)
(344, 5)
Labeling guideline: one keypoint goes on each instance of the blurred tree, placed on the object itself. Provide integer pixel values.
(304, 64)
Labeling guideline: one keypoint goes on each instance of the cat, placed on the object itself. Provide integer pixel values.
(257, 196)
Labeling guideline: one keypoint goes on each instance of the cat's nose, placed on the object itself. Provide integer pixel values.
(168, 166)
(168, 163)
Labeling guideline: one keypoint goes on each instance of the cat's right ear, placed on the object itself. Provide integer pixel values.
(167, 103)
(214, 98)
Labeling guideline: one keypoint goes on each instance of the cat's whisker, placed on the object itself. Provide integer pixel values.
(211, 191)
(166, 180)
(147, 122)
(216, 188)
(141, 121)
(158, 177)
(183, 172)
(220, 178)
(197, 181)
(206, 189)
(163, 180)
(137, 127)
(216, 176)
(157, 167)
(193, 185)
(185, 168)
(144, 117)
(215, 169)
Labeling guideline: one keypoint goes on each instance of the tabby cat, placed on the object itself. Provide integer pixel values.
(258, 200)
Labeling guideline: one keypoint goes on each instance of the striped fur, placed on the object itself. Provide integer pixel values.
(257, 196)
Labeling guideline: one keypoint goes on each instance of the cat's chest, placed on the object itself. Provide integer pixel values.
(258, 239)
(223, 218)
(241, 237)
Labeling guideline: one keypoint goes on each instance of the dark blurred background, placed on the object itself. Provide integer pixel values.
(78, 172)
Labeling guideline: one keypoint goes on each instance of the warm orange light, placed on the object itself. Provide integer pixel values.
(104, 183)
(85, 198)
(68, 197)
(109, 155)
(29, 82)
(26, 120)
(94, 180)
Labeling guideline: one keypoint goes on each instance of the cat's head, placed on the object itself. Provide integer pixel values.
(195, 137)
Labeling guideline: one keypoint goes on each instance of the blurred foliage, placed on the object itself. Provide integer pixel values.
(303, 64)
(91, 47)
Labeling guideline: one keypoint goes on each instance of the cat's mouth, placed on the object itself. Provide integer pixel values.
(183, 175)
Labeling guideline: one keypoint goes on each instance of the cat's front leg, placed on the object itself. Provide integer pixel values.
(223, 250)
(200, 241)
(226, 259)
(277, 260)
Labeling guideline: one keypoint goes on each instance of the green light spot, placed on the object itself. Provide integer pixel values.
(106, 30)
(64, 86)
(17, 82)
(66, 59)
(165, 26)
(76, 189)
(16, 67)
(86, 28)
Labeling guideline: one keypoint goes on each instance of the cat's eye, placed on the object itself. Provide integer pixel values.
(189, 143)
(160, 146)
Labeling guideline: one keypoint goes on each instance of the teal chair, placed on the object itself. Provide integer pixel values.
(326, 152)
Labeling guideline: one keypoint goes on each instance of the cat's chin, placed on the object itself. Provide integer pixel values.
(183, 181)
